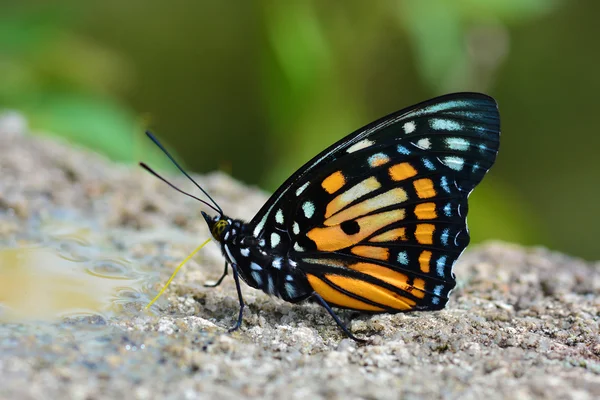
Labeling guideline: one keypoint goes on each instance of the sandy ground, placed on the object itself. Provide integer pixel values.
(523, 323)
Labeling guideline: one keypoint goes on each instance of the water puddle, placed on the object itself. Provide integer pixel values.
(70, 270)
(40, 284)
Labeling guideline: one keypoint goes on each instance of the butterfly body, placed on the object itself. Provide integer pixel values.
(273, 273)
(376, 221)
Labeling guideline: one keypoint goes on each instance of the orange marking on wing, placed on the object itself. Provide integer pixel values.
(390, 236)
(424, 188)
(354, 193)
(373, 292)
(419, 284)
(333, 238)
(335, 297)
(426, 211)
(334, 182)
(402, 171)
(424, 260)
(391, 197)
(424, 233)
(390, 276)
(377, 253)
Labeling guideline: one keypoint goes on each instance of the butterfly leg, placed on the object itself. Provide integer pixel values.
(220, 279)
(240, 298)
(337, 320)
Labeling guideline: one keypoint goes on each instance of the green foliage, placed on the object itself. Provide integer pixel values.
(67, 85)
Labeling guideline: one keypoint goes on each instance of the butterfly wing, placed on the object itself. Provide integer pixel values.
(377, 220)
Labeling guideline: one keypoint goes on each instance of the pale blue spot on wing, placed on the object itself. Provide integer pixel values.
(445, 185)
(438, 290)
(403, 258)
(445, 236)
(256, 276)
(403, 150)
(254, 266)
(445, 125)
(270, 285)
(459, 144)
(448, 210)
(378, 159)
(428, 164)
(290, 289)
(447, 105)
(441, 264)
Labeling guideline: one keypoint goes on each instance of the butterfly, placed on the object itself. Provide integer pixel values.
(373, 223)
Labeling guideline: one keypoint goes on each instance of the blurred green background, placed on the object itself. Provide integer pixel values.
(256, 88)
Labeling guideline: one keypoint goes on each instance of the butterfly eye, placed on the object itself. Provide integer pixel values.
(219, 229)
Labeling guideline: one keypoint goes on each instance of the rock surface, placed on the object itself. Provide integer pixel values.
(523, 323)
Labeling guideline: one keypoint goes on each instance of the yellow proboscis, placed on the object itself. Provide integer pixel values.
(176, 271)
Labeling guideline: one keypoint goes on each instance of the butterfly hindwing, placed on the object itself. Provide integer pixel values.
(377, 220)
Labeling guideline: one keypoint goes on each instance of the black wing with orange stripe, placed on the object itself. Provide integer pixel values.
(377, 220)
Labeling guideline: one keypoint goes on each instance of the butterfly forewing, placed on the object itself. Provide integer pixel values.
(377, 220)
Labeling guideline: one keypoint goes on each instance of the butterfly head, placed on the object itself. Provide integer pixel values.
(218, 225)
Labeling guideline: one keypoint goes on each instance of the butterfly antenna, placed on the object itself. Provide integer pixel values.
(160, 146)
(147, 168)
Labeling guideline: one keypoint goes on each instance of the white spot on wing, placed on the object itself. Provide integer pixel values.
(424, 144)
(459, 144)
(363, 144)
(260, 225)
(296, 228)
(297, 247)
(456, 163)
(276, 263)
(245, 252)
(231, 258)
(279, 217)
(308, 208)
(409, 127)
(302, 188)
(275, 239)
(359, 190)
